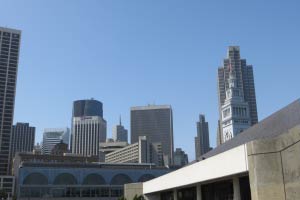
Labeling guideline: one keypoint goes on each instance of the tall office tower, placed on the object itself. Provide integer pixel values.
(88, 127)
(235, 76)
(22, 138)
(155, 122)
(9, 57)
(53, 136)
(120, 134)
(202, 139)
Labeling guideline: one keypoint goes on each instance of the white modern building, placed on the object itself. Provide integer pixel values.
(140, 152)
(87, 133)
(53, 136)
(261, 163)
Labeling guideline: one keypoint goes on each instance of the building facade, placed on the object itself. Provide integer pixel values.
(108, 147)
(120, 134)
(235, 111)
(202, 140)
(22, 138)
(156, 123)
(89, 107)
(53, 136)
(180, 158)
(9, 58)
(87, 133)
(74, 177)
(244, 79)
(140, 152)
(88, 127)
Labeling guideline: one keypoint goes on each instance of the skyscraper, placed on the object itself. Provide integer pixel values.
(236, 76)
(202, 139)
(88, 127)
(9, 57)
(22, 138)
(155, 122)
(53, 136)
(120, 134)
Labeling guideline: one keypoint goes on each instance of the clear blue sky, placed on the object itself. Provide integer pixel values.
(136, 52)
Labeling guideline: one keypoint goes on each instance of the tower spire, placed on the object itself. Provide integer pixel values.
(120, 120)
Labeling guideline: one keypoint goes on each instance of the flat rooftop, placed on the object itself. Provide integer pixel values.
(151, 107)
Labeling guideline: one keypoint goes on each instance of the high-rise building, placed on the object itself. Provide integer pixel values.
(202, 139)
(9, 57)
(180, 158)
(88, 127)
(155, 122)
(53, 136)
(120, 134)
(90, 107)
(235, 76)
(22, 138)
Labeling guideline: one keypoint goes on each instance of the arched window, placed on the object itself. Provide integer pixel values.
(35, 179)
(65, 179)
(93, 179)
(120, 179)
(146, 177)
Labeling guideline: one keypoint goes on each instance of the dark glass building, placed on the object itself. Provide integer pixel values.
(90, 107)
(155, 122)
(9, 58)
(202, 140)
(22, 138)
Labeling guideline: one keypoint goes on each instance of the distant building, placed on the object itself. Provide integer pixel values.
(88, 127)
(110, 146)
(37, 149)
(180, 158)
(120, 134)
(89, 107)
(235, 76)
(53, 136)
(155, 122)
(22, 138)
(140, 152)
(75, 177)
(9, 54)
(60, 149)
(202, 139)
(235, 111)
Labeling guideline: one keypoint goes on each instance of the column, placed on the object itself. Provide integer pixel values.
(236, 189)
(199, 192)
(175, 194)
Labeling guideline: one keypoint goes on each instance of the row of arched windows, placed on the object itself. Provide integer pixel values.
(91, 179)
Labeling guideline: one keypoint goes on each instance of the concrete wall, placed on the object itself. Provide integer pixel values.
(231, 162)
(274, 167)
(130, 190)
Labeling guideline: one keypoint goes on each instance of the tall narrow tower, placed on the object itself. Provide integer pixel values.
(235, 111)
(9, 58)
(202, 140)
(241, 74)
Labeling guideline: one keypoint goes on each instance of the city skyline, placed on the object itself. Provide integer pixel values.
(198, 66)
